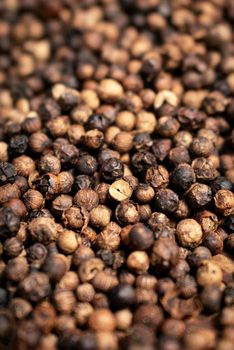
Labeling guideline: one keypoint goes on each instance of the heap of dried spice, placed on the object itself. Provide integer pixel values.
(116, 174)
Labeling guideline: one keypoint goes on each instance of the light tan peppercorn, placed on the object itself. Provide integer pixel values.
(39, 142)
(120, 190)
(209, 273)
(69, 281)
(33, 199)
(65, 301)
(189, 233)
(82, 312)
(66, 180)
(138, 261)
(8, 192)
(67, 241)
(146, 122)
(107, 340)
(122, 142)
(125, 120)
(20, 307)
(93, 139)
(100, 216)
(89, 268)
(104, 280)
(110, 90)
(85, 292)
(49, 164)
(102, 320)
(75, 217)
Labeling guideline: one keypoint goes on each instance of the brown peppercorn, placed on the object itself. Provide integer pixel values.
(17, 207)
(120, 190)
(173, 328)
(32, 123)
(104, 280)
(189, 233)
(69, 281)
(224, 201)
(86, 198)
(17, 269)
(138, 261)
(88, 269)
(166, 201)
(157, 177)
(207, 220)
(85, 292)
(178, 155)
(13, 247)
(198, 195)
(61, 203)
(197, 337)
(149, 315)
(48, 185)
(43, 230)
(55, 267)
(204, 169)
(58, 126)
(67, 241)
(146, 296)
(93, 139)
(140, 237)
(209, 273)
(122, 142)
(39, 142)
(213, 242)
(64, 300)
(3, 151)
(109, 238)
(35, 286)
(102, 320)
(8, 192)
(161, 148)
(125, 120)
(44, 316)
(24, 165)
(183, 138)
(82, 312)
(164, 253)
(20, 308)
(75, 217)
(49, 164)
(201, 146)
(146, 281)
(167, 126)
(127, 213)
(33, 199)
(100, 216)
(144, 193)
(66, 180)
(146, 122)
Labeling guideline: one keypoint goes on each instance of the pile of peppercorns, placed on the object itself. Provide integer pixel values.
(116, 174)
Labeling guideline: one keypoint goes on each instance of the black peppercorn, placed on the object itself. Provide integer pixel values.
(122, 296)
(183, 177)
(97, 121)
(86, 164)
(112, 169)
(140, 237)
(166, 201)
(7, 173)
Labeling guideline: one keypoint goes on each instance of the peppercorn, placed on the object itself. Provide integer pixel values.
(100, 216)
(220, 183)
(55, 267)
(127, 213)
(164, 253)
(183, 177)
(67, 241)
(9, 222)
(224, 201)
(120, 190)
(178, 155)
(138, 261)
(140, 237)
(201, 146)
(20, 307)
(122, 142)
(166, 201)
(209, 273)
(75, 217)
(31, 124)
(86, 198)
(122, 296)
(157, 177)
(33, 199)
(13, 247)
(64, 301)
(86, 164)
(17, 207)
(18, 144)
(36, 254)
(161, 148)
(43, 230)
(189, 233)
(199, 195)
(88, 269)
(7, 173)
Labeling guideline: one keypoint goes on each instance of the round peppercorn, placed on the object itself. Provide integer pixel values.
(166, 201)
(86, 164)
(138, 261)
(97, 121)
(140, 237)
(189, 233)
(126, 213)
(18, 144)
(201, 146)
(112, 169)
(198, 195)
(120, 190)
(7, 173)
(144, 193)
(157, 177)
(86, 198)
(122, 296)
(24, 165)
(167, 126)
(209, 273)
(183, 177)
(229, 223)
(220, 183)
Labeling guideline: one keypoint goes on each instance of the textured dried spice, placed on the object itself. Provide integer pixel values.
(120, 190)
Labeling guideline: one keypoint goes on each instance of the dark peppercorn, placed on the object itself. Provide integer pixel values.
(183, 177)
(141, 161)
(18, 144)
(220, 183)
(97, 121)
(211, 298)
(229, 223)
(86, 164)
(166, 201)
(122, 296)
(140, 237)
(81, 182)
(112, 169)
(7, 173)
(9, 222)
